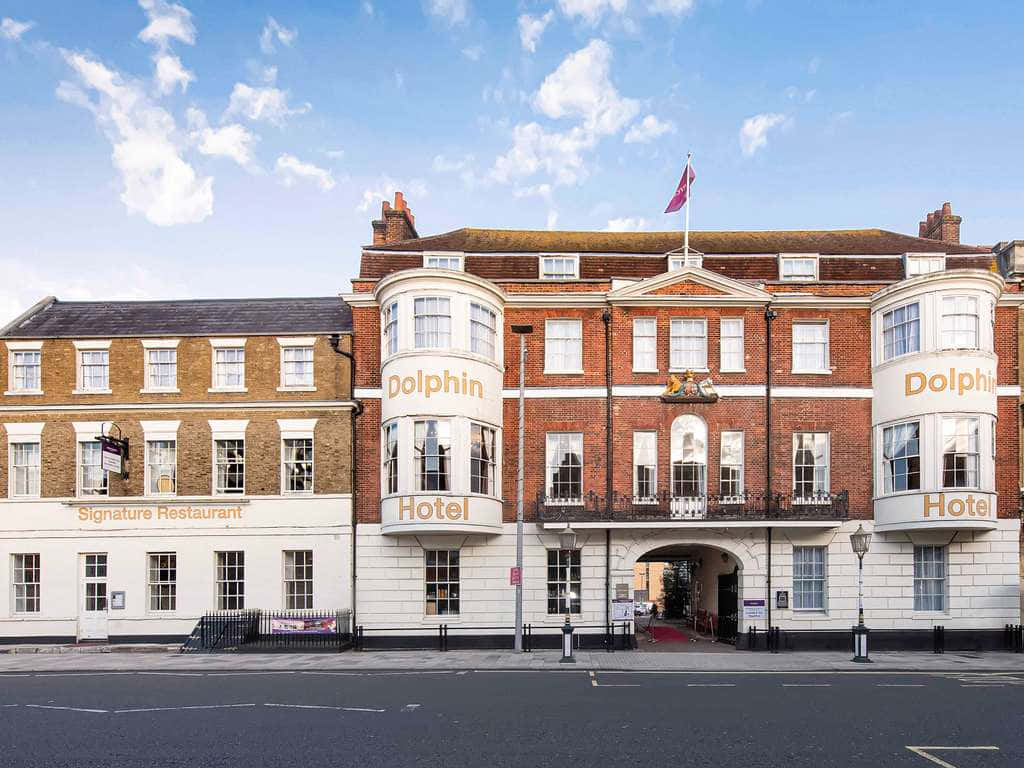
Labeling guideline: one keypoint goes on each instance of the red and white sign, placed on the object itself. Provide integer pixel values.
(515, 576)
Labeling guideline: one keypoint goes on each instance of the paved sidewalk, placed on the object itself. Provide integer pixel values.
(159, 660)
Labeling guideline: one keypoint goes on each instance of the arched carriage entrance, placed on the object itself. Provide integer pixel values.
(703, 574)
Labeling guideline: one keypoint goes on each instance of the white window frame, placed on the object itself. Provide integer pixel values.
(693, 259)
(217, 344)
(309, 597)
(33, 478)
(23, 347)
(445, 437)
(799, 499)
(548, 466)
(221, 572)
(389, 329)
(565, 561)
(811, 579)
(917, 264)
(150, 583)
(297, 429)
(490, 466)
(475, 323)
(436, 582)
(572, 258)
(149, 346)
(887, 483)
(979, 468)
(943, 580)
(722, 323)
(549, 366)
(79, 471)
(785, 258)
(287, 343)
(943, 314)
(827, 352)
(23, 432)
(89, 347)
(444, 260)
(37, 568)
(674, 364)
(388, 461)
(884, 355)
(637, 336)
(741, 466)
(160, 431)
(639, 436)
(439, 331)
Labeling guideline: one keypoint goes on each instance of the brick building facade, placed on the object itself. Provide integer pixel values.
(238, 418)
(743, 406)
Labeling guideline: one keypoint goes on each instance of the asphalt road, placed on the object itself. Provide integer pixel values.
(520, 719)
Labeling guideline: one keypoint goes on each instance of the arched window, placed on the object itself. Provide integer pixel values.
(689, 456)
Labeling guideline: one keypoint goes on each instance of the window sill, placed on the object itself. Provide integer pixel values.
(25, 497)
(822, 372)
(646, 370)
(160, 496)
(296, 389)
(91, 392)
(301, 493)
(732, 370)
(225, 495)
(237, 390)
(691, 370)
(548, 372)
(23, 392)
(174, 391)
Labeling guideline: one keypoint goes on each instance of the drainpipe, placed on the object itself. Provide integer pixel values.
(335, 341)
(606, 317)
(769, 315)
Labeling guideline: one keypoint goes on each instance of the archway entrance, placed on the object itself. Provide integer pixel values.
(695, 589)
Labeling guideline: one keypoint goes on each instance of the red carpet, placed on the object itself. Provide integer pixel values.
(666, 634)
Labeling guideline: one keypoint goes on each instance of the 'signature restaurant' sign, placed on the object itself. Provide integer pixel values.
(170, 512)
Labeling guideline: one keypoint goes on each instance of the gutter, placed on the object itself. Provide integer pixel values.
(769, 315)
(606, 317)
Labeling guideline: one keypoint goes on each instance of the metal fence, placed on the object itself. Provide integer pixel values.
(262, 631)
(445, 637)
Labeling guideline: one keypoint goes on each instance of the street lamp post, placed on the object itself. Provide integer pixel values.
(567, 542)
(860, 540)
(522, 331)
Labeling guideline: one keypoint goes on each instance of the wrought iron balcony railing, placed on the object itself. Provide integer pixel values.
(664, 507)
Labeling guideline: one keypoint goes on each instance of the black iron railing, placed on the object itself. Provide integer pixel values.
(260, 630)
(665, 507)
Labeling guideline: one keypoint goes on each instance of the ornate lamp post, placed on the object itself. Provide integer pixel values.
(567, 541)
(860, 540)
(522, 331)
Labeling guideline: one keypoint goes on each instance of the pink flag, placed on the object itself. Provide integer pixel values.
(682, 191)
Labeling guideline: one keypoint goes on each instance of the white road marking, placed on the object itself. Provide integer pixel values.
(899, 685)
(923, 752)
(807, 685)
(174, 674)
(230, 674)
(410, 707)
(983, 685)
(322, 706)
(71, 709)
(172, 709)
(9, 705)
(711, 685)
(81, 674)
(595, 684)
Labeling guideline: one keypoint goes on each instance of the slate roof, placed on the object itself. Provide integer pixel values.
(864, 242)
(52, 318)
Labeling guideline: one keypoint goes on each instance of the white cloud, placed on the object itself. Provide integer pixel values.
(262, 104)
(647, 130)
(671, 7)
(13, 30)
(291, 169)
(542, 191)
(367, 7)
(473, 52)
(531, 28)
(170, 73)
(591, 11)
(581, 87)
(271, 31)
(795, 94)
(627, 224)
(813, 65)
(157, 181)
(414, 190)
(167, 21)
(234, 141)
(452, 11)
(754, 132)
(535, 149)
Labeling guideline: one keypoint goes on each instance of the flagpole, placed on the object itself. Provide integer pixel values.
(686, 235)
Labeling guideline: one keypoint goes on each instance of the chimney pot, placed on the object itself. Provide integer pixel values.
(947, 208)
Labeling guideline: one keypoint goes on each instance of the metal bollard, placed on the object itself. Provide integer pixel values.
(567, 630)
(938, 639)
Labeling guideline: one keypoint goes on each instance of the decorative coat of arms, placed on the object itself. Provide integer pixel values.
(689, 390)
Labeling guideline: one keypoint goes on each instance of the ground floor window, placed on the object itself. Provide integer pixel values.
(442, 582)
(929, 578)
(298, 579)
(163, 581)
(564, 581)
(809, 578)
(230, 581)
(25, 583)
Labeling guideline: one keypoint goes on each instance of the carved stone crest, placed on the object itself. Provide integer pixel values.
(689, 390)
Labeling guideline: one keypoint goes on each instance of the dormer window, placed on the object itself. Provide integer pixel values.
(559, 267)
(443, 261)
(798, 268)
(693, 259)
(923, 263)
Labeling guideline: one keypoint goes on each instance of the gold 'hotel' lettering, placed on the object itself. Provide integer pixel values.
(439, 509)
(431, 383)
(960, 382)
(955, 507)
(100, 515)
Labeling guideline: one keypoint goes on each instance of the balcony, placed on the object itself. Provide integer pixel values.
(664, 508)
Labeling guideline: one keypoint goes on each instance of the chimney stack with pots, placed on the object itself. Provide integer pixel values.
(941, 224)
(396, 222)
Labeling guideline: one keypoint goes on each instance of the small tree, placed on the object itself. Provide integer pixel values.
(676, 585)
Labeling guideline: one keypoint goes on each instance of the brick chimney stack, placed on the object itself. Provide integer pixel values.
(396, 222)
(942, 225)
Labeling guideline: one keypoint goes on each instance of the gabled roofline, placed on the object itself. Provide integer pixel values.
(39, 306)
(729, 286)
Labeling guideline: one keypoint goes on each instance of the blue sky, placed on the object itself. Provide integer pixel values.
(215, 148)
